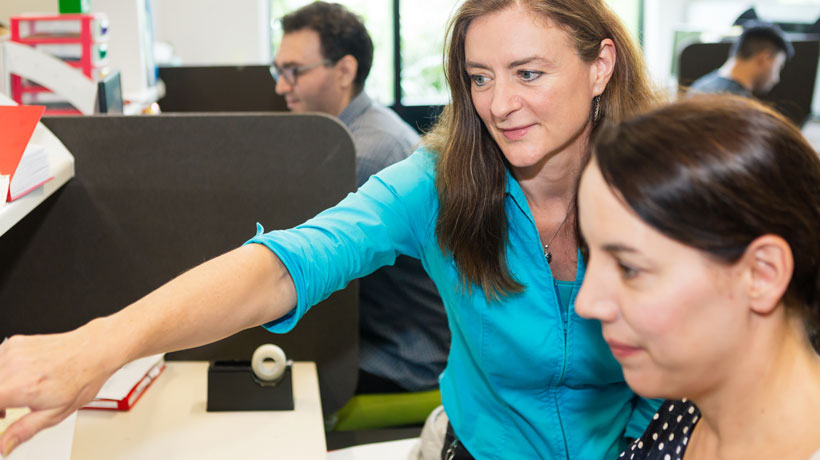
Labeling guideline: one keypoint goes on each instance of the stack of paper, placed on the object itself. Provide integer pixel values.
(33, 171)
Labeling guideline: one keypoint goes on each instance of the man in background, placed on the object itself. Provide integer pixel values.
(321, 66)
(754, 65)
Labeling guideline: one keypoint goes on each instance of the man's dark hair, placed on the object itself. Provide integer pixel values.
(757, 37)
(340, 33)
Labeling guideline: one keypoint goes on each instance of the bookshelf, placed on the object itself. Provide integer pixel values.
(80, 40)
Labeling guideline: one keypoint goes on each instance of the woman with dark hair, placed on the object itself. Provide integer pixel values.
(706, 276)
(488, 208)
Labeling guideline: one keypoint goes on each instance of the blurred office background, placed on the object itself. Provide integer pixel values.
(408, 36)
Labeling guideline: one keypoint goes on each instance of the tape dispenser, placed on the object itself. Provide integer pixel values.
(263, 383)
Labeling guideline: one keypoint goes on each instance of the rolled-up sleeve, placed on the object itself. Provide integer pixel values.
(390, 215)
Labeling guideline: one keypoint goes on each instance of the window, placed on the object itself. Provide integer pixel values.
(422, 25)
(630, 12)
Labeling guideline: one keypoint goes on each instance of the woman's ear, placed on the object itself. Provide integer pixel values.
(769, 265)
(346, 69)
(603, 66)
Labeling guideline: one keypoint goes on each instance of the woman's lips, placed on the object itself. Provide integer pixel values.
(515, 134)
(621, 350)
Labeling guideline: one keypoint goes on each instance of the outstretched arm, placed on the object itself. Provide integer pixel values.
(56, 374)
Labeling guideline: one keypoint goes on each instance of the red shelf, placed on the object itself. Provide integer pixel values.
(52, 17)
(86, 39)
(62, 39)
(34, 89)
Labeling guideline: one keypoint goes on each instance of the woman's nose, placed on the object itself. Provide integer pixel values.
(506, 99)
(595, 301)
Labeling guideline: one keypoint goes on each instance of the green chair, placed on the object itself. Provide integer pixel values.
(373, 411)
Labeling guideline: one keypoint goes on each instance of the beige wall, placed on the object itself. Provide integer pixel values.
(203, 32)
(10, 8)
(215, 32)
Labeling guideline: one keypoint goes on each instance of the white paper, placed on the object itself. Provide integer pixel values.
(33, 169)
(53, 443)
(376, 451)
(4, 189)
(120, 384)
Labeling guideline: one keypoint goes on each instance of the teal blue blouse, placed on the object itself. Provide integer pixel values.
(521, 381)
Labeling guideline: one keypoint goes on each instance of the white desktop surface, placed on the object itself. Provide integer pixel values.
(170, 421)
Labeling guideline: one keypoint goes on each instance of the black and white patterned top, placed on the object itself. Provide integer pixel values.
(668, 433)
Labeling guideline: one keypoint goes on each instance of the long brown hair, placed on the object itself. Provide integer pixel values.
(717, 172)
(471, 169)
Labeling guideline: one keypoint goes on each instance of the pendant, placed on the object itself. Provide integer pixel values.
(547, 253)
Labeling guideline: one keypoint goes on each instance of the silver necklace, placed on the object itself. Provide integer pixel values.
(547, 253)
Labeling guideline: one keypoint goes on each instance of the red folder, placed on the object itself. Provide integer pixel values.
(17, 123)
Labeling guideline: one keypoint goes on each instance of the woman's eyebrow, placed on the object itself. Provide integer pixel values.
(529, 60)
(616, 248)
(470, 64)
(513, 64)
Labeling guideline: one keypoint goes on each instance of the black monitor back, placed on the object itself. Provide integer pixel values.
(792, 96)
(109, 94)
(155, 196)
(220, 89)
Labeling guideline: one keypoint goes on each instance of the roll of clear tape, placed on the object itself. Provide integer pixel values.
(268, 362)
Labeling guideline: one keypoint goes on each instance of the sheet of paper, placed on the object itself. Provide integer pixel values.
(53, 443)
(376, 451)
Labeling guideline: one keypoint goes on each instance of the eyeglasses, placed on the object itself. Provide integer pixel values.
(290, 73)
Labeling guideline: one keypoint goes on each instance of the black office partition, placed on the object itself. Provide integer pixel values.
(220, 89)
(155, 196)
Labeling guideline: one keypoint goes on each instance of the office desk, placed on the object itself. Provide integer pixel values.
(170, 422)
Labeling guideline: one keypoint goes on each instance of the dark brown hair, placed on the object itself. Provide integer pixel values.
(471, 169)
(715, 172)
(340, 33)
(758, 37)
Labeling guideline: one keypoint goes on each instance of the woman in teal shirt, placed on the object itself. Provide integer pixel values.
(488, 207)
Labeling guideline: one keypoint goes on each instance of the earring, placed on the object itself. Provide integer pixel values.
(597, 111)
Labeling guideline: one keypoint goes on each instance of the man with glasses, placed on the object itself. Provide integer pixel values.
(321, 66)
